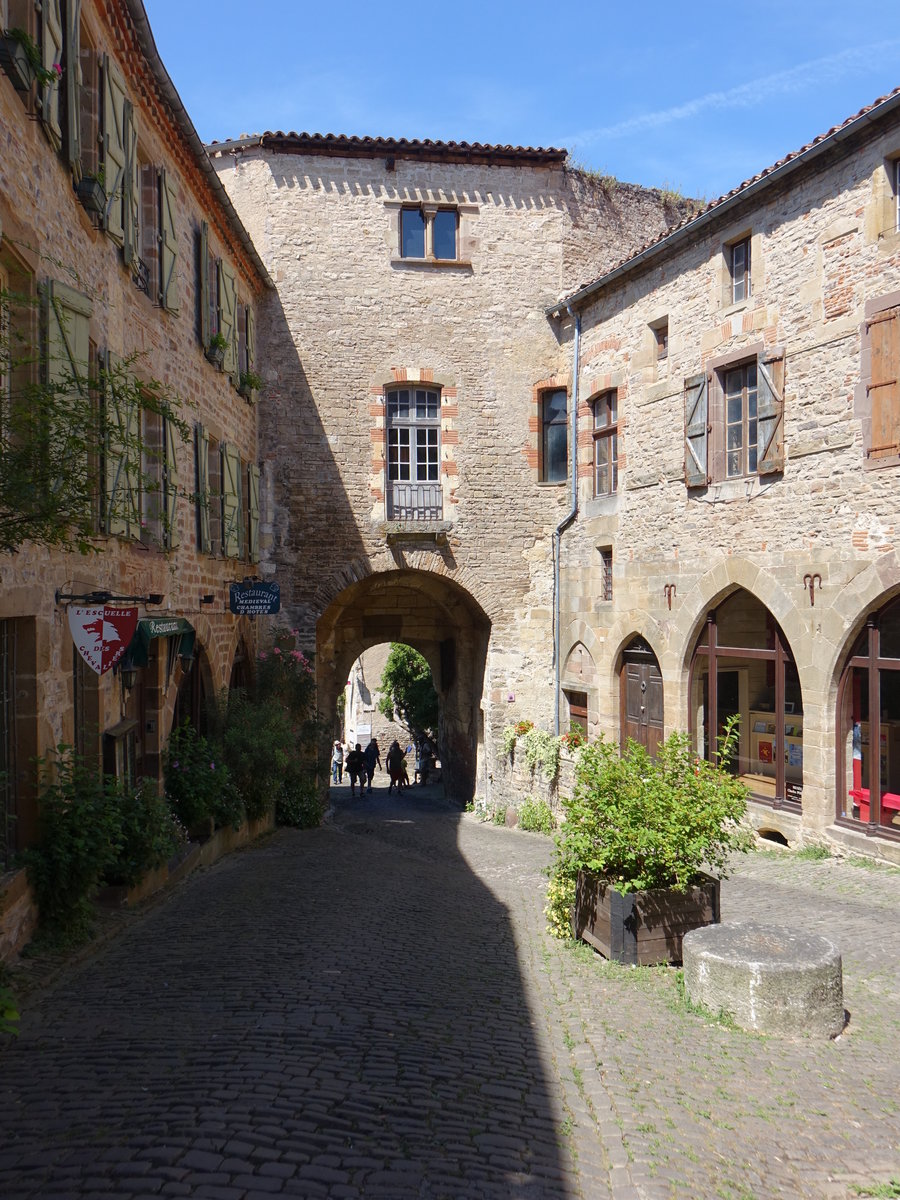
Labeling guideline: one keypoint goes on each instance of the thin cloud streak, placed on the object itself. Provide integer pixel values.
(816, 73)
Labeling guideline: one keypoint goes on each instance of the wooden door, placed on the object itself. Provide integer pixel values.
(642, 702)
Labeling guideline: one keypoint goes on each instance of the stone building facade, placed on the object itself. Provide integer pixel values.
(738, 441)
(408, 369)
(120, 254)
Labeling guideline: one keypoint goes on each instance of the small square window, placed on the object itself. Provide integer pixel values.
(412, 233)
(739, 264)
(554, 431)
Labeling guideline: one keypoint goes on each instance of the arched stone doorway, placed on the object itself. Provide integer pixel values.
(640, 696)
(742, 664)
(445, 624)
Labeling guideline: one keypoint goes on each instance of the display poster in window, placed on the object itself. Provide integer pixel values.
(765, 752)
(254, 599)
(101, 634)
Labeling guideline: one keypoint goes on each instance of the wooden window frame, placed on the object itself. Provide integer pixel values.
(606, 573)
(739, 276)
(578, 706)
(605, 432)
(746, 425)
(660, 331)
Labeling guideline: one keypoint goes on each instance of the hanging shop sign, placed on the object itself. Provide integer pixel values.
(159, 627)
(254, 599)
(102, 633)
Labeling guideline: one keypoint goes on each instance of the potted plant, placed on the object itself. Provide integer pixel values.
(215, 351)
(644, 845)
(91, 191)
(20, 58)
(249, 384)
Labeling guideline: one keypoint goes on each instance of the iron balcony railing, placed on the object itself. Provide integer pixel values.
(414, 501)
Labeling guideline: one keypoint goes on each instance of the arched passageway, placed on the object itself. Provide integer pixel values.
(445, 624)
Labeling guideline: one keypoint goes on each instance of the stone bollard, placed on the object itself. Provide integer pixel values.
(768, 978)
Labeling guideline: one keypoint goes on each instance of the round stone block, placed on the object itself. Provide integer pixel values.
(768, 978)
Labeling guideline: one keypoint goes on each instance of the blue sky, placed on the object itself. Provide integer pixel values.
(697, 103)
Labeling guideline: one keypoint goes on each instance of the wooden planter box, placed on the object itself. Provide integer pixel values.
(14, 62)
(641, 928)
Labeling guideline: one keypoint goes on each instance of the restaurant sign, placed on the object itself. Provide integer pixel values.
(254, 599)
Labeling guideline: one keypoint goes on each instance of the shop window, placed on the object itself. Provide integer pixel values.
(743, 666)
(553, 417)
(869, 717)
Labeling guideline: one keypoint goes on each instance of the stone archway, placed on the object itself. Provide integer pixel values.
(445, 624)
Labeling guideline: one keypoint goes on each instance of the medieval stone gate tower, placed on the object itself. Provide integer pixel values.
(409, 418)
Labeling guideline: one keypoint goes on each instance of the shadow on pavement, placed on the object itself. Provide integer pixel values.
(337, 1012)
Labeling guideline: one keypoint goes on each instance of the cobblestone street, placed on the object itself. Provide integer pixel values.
(373, 1009)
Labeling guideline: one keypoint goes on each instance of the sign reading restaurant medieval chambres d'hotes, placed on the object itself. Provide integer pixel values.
(254, 599)
(101, 635)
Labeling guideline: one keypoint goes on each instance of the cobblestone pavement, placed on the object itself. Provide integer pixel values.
(373, 1009)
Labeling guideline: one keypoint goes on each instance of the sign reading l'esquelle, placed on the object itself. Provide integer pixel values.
(254, 599)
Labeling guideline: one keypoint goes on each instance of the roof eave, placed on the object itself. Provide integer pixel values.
(686, 232)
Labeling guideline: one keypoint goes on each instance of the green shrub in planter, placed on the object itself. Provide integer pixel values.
(641, 823)
(150, 836)
(198, 783)
(80, 837)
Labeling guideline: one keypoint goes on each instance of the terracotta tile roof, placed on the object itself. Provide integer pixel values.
(379, 147)
(879, 108)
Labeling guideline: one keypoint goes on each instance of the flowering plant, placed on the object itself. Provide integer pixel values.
(522, 727)
(575, 738)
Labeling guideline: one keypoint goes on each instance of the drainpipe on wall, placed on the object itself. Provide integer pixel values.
(570, 515)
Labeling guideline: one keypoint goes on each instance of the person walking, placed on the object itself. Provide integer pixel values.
(372, 755)
(337, 763)
(396, 765)
(356, 769)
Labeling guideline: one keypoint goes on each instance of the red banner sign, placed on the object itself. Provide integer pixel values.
(101, 635)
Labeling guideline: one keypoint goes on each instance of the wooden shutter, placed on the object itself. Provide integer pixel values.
(51, 55)
(770, 414)
(696, 431)
(253, 511)
(228, 315)
(170, 485)
(67, 325)
(231, 502)
(114, 100)
(131, 192)
(168, 245)
(72, 68)
(123, 454)
(201, 445)
(884, 386)
(203, 290)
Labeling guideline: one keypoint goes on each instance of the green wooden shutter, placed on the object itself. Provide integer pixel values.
(114, 99)
(168, 245)
(770, 414)
(122, 454)
(201, 444)
(696, 431)
(203, 290)
(170, 485)
(51, 55)
(67, 325)
(231, 502)
(131, 192)
(253, 511)
(73, 86)
(228, 316)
